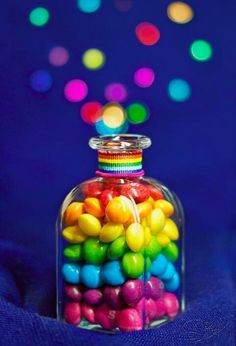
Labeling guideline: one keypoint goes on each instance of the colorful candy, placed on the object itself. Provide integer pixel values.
(119, 268)
(89, 224)
(72, 213)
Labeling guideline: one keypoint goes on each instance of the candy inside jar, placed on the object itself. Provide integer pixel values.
(120, 244)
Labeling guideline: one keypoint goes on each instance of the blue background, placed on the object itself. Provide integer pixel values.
(44, 153)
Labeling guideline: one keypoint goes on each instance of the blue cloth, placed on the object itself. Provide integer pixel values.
(44, 154)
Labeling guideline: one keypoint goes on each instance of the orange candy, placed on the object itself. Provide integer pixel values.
(144, 209)
(165, 206)
(94, 207)
(72, 213)
(119, 210)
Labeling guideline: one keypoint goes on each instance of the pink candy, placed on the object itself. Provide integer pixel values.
(93, 296)
(88, 312)
(72, 313)
(106, 317)
(129, 320)
(74, 292)
(171, 304)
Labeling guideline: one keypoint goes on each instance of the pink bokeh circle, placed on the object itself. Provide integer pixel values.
(144, 77)
(75, 90)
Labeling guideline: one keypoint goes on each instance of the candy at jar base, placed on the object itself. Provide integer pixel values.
(106, 317)
(72, 313)
(129, 320)
(88, 312)
(93, 296)
(171, 304)
(148, 308)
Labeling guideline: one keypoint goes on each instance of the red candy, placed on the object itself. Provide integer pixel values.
(129, 320)
(106, 317)
(72, 313)
(107, 195)
(92, 189)
(88, 312)
(155, 193)
(74, 292)
(137, 191)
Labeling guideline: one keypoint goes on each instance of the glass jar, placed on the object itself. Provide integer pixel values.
(120, 250)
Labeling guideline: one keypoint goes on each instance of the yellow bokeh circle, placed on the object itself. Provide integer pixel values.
(113, 115)
(180, 12)
(93, 59)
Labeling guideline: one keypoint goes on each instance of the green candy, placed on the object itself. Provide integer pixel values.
(152, 249)
(73, 252)
(117, 248)
(171, 251)
(133, 264)
(94, 251)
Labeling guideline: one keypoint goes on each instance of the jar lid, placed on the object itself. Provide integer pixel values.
(120, 142)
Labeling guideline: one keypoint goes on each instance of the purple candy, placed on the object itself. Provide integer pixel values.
(88, 312)
(113, 297)
(106, 317)
(154, 288)
(132, 291)
(72, 313)
(93, 296)
(74, 292)
(129, 320)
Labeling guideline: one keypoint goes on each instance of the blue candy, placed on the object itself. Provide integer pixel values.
(112, 273)
(159, 265)
(90, 276)
(168, 273)
(147, 276)
(71, 273)
(172, 284)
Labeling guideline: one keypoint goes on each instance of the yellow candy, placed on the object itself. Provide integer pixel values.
(144, 222)
(119, 210)
(170, 230)
(94, 207)
(156, 221)
(147, 236)
(72, 212)
(73, 234)
(163, 240)
(144, 209)
(151, 201)
(89, 224)
(135, 237)
(165, 206)
(110, 232)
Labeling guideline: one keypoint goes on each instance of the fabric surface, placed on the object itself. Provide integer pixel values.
(44, 153)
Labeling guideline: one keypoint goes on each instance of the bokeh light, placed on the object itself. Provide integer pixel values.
(147, 33)
(93, 59)
(103, 129)
(91, 111)
(179, 90)
(201, 50)
(115, 92)
(180, 12)
(88, 6)
(41, 81)
(144, 77)
(75, 90)
(113, 115)
(137, 113)
(39, 16)
(123, 5)
(58, 56)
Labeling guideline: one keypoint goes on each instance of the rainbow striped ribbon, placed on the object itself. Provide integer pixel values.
(120, 163)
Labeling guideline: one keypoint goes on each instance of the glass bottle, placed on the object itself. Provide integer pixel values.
(120, 244)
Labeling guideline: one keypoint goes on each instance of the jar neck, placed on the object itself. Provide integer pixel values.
(123, 163)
